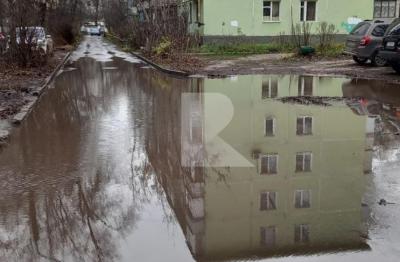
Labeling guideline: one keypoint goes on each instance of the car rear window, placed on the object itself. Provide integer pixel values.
(379, 30)
(360, 29)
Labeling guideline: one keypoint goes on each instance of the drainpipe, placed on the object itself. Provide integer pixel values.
(252, 21)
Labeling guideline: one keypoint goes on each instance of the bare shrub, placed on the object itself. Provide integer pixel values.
(162, 20)
(326, 34)
(118, 18)
(301, 34)
(64, 20)
(22, 15)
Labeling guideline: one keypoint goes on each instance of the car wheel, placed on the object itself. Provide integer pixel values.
(396, 67)
(359, 60)
(377, 60)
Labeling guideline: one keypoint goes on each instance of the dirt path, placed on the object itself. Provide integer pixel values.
(18, 85)
(283, 64)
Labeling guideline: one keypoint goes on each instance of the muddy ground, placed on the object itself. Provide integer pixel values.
(285, 64)
(17, 84)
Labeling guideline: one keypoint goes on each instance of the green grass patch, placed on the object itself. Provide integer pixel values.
(240, 49)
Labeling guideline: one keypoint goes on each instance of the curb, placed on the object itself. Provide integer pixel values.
(160, 68)
(37, 92)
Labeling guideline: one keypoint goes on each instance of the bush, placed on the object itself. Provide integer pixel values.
(326, 34)
(163, 48)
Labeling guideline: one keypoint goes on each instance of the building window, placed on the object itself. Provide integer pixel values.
(302, 198)
(302, 233)
(304, 125)
(385, 8)
(190, 12)
(268, 201)
(269, 127)
(308, 10)
(270, 88)
(268, 236)
(306, 86)
(271, 10)
(303, 162)
(269, 164)
(196, 129)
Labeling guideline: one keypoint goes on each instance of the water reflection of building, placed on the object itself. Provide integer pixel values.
(303, 194)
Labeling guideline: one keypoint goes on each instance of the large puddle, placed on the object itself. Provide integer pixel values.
(119, 162)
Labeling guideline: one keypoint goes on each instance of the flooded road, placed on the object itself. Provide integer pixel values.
(119, 162)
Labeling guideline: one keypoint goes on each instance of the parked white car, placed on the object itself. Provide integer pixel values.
(37, 37)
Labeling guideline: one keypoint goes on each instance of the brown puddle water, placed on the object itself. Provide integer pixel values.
(97, 173)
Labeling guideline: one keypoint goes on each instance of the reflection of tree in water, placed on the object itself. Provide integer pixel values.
(56, 208)
(77, 223)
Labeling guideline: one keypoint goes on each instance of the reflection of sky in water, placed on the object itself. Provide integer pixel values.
(98, 49)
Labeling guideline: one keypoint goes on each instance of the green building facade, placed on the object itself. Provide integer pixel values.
(260, 19)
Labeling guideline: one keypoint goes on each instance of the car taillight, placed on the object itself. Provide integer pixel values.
(365, 41)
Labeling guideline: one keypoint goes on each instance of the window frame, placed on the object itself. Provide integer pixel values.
(304, 8)
(270, 81)
(273, 126)
(277, 164)
(271, 7)
(304, 123)
(381, 8)
(268, 208)
(263, 229)
(302, 205)
(303, 154)
(301, 239)
(302, 85)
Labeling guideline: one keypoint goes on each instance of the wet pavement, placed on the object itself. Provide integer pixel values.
(118, 162)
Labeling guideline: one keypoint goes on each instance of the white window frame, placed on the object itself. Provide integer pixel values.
(277, 164)
(302, 80)
(304, 161)
(304, 123)
(273, 126)
(270, 81)
(301, 236)
(381, 8)
(302, 204)
(263, 243)
(303, 8)
(271, 7)
(268, 207)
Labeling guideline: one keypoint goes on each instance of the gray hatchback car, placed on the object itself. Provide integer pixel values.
(365, 40)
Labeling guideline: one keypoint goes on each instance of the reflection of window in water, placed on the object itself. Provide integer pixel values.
(269, 164)
(269, 126)
(303, 162)
(268, 201)
(305, 86)
(267, 236)
(196, 129)
(302, 233)
(302, 198)
(304, 125)
(270, 88)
